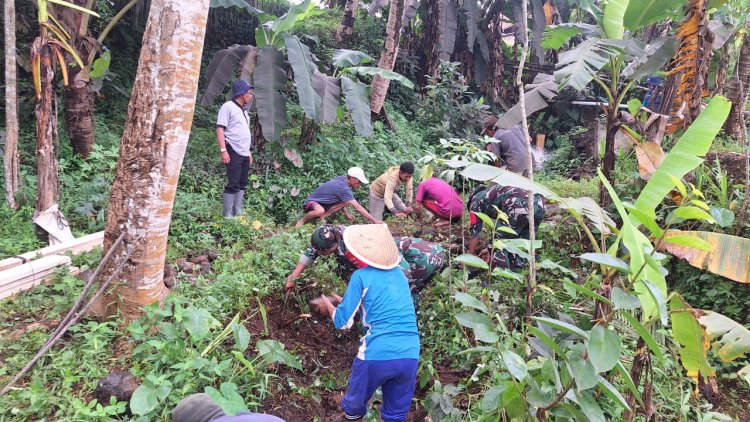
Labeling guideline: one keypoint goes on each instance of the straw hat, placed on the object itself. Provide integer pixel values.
(372, 244)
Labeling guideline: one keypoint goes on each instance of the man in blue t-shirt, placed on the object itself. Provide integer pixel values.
(334, 195)
(388, 354)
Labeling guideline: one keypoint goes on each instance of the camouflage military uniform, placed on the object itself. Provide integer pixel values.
(348, 263)
(425, 260)
(514, 203)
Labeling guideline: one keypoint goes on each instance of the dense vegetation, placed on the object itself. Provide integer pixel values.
(224, 329)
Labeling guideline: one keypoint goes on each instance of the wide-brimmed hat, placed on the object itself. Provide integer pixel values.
(372, 244)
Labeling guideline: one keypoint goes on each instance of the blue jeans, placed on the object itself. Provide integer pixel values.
(398, 378)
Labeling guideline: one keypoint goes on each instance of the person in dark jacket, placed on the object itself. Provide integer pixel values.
(511, 147)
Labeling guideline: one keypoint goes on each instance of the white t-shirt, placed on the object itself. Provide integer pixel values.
(236, 123)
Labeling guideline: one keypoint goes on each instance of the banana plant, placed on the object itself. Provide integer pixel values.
(319, 94)
(46, 55)
(571, 375)
(611, 58)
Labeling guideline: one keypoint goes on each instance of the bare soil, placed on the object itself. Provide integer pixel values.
(326, 355)
(731, 162)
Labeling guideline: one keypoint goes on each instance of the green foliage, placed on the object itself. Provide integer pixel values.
(449, 108)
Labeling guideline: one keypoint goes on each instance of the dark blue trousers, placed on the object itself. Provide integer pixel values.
(398, 378)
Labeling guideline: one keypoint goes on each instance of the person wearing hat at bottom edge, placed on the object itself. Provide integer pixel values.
(235, 146)
(388, 354)
(334, 195)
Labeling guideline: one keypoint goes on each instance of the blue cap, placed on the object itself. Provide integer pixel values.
(240, 87)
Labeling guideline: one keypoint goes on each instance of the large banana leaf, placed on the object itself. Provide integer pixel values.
(728, 256)
(358, 104)
(270, 80)
(385, 74)
(410, 11)
(556, 35)
(613, 16)
(685, 155)
(447, 27)
(485, 173)
(220, 70)
(328, 89)
(656, 54)
(588, 208)
(735, 338)
(472, 20)
(692, 338)
(540, 91)
(643, 12)
(295, 14)
(299, 58)
(243, 5)
(346, 58)
(538, 23)
(577, 67)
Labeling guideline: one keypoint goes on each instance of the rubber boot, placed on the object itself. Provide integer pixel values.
(239, 202)
(228, 201)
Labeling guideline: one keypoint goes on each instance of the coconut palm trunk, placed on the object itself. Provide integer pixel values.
(46, 134)
(10, 162)
(388, 57)
(737, 90)
(347, 24)
(152, 148)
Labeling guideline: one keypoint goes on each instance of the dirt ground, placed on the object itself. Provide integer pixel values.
(326, 355)
(731, 162)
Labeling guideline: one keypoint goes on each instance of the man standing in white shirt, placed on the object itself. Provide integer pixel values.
(235, 144)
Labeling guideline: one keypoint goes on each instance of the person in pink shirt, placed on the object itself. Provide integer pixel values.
(440, 199)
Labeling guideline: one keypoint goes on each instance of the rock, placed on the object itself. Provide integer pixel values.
(185, 266)
(213, 255)
(86, 275)
(168, 271)
(206, 268)
(199, 260)
(119, 384)
(170, 282)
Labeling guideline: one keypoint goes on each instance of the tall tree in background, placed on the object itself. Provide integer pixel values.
(10, 163)
(737, 90)
(388, 57)
(347, 24)
(160, 116)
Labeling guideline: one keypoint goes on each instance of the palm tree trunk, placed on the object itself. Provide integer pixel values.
(347, 24)
(79, 101)
(10, 162)
(493, 83)
(737, 90)
(388, 57)
(152, 148)
(79, 115)
(46, 134)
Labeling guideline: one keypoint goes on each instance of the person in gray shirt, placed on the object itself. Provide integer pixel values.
(235, 145)
(511, 147)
